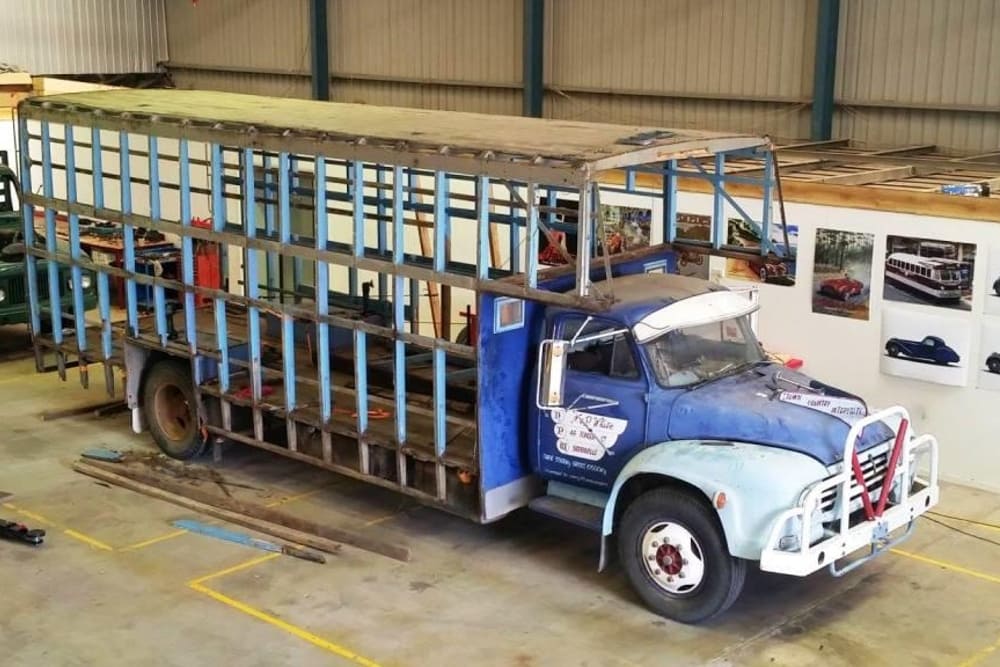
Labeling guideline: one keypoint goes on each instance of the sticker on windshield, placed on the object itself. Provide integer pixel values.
(585, 435)
(848, 410)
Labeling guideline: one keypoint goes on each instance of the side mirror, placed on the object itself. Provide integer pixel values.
(552, 355)
(13, 252)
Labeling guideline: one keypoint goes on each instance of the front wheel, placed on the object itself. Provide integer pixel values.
(893, 350)
(170, 408)
(993, 365)
(675, 556)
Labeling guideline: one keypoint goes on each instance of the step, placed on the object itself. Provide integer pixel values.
(571, 511)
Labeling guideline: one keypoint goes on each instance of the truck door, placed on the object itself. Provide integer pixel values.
(603, 418)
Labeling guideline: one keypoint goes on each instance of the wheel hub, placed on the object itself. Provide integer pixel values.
(673, 558)
(668, 557)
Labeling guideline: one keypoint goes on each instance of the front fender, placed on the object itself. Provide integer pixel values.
(759, 482)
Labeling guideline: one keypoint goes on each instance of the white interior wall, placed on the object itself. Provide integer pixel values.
(847, 352)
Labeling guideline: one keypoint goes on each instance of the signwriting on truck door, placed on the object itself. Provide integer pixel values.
(604, 418)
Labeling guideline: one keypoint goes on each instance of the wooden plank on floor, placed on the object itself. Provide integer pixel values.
(250, 515)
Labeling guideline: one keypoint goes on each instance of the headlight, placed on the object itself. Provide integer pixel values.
(3, 295)
(85, 282)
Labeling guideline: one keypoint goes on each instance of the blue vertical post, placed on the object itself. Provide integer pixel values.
(271, 259)
(252, 286)
(531, 240)
(441, 233)
(28, 219)
(398, 311)
(319, 49)
(825, 69)
(719, 224)
(294, 182)
(74, 248)
(218, 225)
(670, 201)
(483, 227)
(765, 223)
(128, 232)
(287, 323)
(356, 178)
(381, 225)
(630, 180)
(322, 294)
(159, 295)
(187, 248)
(532, 50)
(103, 286)
(51, 264)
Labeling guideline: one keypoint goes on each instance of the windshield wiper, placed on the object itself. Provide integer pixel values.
(728, 370)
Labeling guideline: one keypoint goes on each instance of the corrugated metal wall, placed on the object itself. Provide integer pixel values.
(920, 71)
(83, 36)
(909, 71)
(736, 64)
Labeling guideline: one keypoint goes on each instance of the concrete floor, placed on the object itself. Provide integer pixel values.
(116, 584)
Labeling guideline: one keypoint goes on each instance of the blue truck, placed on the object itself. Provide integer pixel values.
(606, 391)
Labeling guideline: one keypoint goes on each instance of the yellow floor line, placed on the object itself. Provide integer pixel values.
(287, 627)
(292, 499)
(155, 540)
(948, 566)
(235, 568)
(86, 539)
(31, 515)
(980, 655)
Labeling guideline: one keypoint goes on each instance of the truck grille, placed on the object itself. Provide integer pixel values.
(873, 469)
(17, 291)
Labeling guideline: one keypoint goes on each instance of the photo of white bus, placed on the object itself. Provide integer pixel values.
(931, 279)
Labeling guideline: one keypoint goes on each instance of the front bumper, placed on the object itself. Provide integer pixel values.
(797, 546)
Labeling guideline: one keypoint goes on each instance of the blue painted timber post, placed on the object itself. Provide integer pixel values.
(532, 50)
(825, 71)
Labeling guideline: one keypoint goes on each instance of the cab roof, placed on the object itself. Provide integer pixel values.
(637, 295)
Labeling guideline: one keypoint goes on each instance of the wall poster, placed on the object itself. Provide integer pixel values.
(842, 273)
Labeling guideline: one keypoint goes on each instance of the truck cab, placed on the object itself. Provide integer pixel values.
(661, 421)
(13, 285)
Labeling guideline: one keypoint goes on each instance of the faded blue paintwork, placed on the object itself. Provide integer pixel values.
(759, 482)
(506, 410)
(745, 408)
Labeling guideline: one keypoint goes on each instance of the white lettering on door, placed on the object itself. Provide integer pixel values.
(585, 435)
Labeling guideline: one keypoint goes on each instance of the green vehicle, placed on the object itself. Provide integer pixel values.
(13, 283)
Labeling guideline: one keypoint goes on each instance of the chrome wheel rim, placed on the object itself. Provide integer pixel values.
(673, 558)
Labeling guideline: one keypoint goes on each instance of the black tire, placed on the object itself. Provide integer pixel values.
(762, 274)
(723, 575)
(993, 365)
(892, 349)
(170, 408)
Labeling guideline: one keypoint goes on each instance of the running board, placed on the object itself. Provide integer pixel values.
(571, 511)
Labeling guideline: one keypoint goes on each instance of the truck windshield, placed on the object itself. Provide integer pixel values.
(700, 353)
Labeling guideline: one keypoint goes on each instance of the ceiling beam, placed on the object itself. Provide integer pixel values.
(868, 177)
(905, 150)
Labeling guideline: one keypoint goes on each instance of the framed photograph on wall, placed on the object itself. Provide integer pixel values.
(929, 272)
(924, 346)
(993, 283)
(772, 268)
(842, 273)
(988, 360)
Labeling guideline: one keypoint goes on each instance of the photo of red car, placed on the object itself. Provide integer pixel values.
(843, 288)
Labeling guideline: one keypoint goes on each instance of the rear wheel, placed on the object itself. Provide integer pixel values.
(676, 557)
(170, 408)
(993, 364)
(892, 349)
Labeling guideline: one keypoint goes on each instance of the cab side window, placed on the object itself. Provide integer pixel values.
(609, 354)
